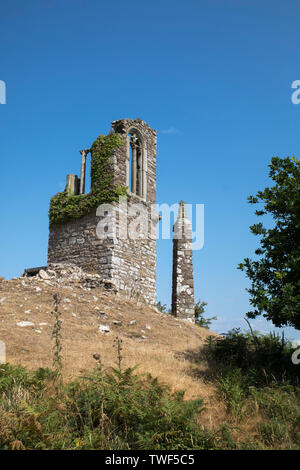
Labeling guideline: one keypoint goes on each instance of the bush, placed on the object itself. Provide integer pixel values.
(137, 410)
(121, 409)
(262, 358)
(258, 381)
(116, 410)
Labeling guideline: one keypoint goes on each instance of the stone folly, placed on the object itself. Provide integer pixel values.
(122, 163)
(129, 263)
(183, 278)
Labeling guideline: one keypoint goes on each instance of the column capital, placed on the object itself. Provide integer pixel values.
(84, 152)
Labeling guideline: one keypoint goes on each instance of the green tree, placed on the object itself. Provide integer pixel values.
(275, 274)
(199, 318)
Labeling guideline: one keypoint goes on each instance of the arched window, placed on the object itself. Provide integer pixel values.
(136, 168)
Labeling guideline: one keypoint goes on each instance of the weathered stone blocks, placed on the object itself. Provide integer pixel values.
(183, 278)
(130, 263)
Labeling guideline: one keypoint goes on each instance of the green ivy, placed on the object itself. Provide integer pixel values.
(65, 206)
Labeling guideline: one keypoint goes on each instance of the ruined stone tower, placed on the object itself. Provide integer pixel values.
(183, 278)
(123, 163)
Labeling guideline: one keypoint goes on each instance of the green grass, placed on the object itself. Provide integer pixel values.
(259, 384)
(115, 410)
(122, 409)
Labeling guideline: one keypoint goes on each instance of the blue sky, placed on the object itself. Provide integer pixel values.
(213, 77)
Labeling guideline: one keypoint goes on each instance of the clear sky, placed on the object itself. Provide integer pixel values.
(212, 76)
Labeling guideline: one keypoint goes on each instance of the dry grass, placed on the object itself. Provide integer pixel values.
(163, 353)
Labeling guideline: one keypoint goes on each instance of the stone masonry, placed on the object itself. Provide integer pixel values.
(130, 263)
(183, 279)
(121, 257)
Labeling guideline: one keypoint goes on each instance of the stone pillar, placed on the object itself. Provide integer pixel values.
(82, 172)
(139, 172)
(183, 278)
(133, 144)
(128, 163)
(72, 186)
(145, 169)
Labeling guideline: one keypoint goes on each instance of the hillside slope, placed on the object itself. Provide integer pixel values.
(157, 342)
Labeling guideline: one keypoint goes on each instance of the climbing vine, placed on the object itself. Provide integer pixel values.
(65, 206)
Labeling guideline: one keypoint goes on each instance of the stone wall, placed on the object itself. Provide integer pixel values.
(129, 262)
(77, 242)
(121, 156)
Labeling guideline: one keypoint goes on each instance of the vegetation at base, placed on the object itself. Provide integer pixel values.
(162, 307)
(56, 335)
(119, 408)
(200, 320)
(259, 384)
(65, 206)
(275, 275)
(104, 410)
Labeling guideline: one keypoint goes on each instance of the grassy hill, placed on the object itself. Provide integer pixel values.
(224, 406)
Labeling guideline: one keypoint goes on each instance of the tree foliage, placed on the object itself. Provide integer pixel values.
(275, 274)
(199, 318)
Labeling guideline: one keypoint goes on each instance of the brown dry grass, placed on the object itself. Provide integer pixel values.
(165, 353)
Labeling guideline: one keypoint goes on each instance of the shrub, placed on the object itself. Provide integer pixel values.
(138, 411)
(115, 410)
(258, 381)
(262, 358)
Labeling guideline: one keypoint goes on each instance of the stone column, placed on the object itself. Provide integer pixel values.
(128, 163)
(183, 278)
(139, 171)
(82, 171)
(72, 186)
(133, 144)
(145, 169)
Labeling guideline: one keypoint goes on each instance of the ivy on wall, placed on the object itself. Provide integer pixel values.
(65, 206)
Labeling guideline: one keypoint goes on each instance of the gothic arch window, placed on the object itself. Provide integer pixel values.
(137, 164)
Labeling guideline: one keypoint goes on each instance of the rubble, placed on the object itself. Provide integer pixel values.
(66, 274)
(43, 274)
